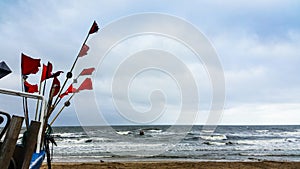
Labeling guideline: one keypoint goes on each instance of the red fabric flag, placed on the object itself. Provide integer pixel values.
(30, 88)
(70, 89)
(83, 50)
(63, 95)
(29, 65)
(86, 85)
(88, 71)
(94, 28)
(47, 71)
(55, 87)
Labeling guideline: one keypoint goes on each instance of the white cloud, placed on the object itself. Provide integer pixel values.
(262, 114)
(259, 69)
(258, 44)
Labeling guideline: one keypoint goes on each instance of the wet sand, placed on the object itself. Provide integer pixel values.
(177, 165)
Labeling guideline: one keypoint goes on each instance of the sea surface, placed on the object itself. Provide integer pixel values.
(190, 143)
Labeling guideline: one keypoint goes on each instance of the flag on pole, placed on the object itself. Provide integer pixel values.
(30, 88)
(94, 28)
(86, 85)
(70, 89)
(4, 69)
(56, 74)
(83, 50)
(47, 71)
(87, 71)
(29, 65)
(55, 86)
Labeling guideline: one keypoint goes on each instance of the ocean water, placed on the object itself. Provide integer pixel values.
(191, 143)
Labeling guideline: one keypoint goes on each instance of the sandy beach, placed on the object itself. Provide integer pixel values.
(177, 165)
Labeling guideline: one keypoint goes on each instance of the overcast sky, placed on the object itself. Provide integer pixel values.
(257, 43)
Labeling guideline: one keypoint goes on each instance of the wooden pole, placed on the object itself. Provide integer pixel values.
(30, 143)
(43, 93)
(8, 119)
(26, 115)
(8, 147)
(49, 110)
(61, 109)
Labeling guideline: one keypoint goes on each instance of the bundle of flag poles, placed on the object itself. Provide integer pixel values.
(30, 66)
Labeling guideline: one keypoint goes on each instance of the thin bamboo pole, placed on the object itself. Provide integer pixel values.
(54, 106)
(37, 103)
(25, 108)
(53, 120)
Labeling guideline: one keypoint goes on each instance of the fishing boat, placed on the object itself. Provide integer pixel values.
(38, 156)
(36, 138)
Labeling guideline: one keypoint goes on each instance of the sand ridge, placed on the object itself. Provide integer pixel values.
(176, 165)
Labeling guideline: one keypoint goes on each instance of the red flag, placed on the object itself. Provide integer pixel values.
(30, 88)
(63, 95)
(70, 89)
(55, 87)
(29, 65)
(83, 50)
(94, 28)
(47, 71)
(88, 71)
(86, 85)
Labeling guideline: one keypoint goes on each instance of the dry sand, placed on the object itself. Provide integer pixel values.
(177, 165)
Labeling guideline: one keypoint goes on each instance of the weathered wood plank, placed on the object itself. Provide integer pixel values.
(9, 143)
(30, 143)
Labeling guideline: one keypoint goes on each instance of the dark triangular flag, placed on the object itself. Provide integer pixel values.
(94, 28)
(4, 69)
(56, 74)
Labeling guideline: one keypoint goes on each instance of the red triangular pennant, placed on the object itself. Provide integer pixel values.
(70, 89)
(87, 71)
(86, 85)
(84, 50)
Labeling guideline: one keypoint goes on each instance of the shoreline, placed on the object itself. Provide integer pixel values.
(174, 165)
